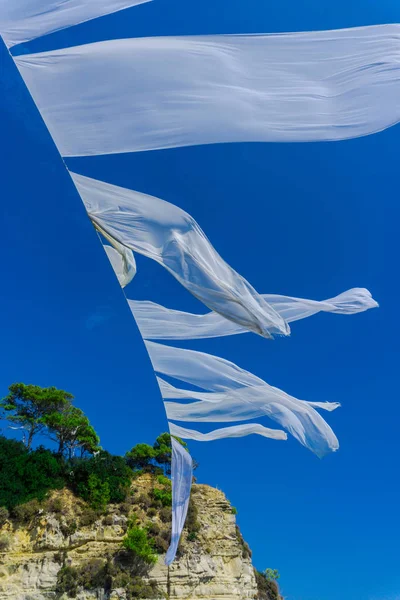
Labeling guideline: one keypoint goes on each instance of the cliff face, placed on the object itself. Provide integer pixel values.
(46, 545)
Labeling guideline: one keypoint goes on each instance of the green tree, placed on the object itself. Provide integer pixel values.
(26, 475)
(140, 457)
(99, 492)
(28, 405)
(107, 468)
(72, 430)
(271, 574)
(163, 450)
(137, 543)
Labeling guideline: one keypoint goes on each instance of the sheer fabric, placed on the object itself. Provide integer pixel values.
(151, 93)
(182, 475)
(226, 432)
(235, 394)
(24, 20)
(159, 323)
(171, 237)
(123, 263)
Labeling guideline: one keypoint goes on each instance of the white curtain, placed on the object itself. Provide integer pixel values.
(156, 322)
(182, 475)
(235, 394)
(226, 432)
(24, 20)
(171, 237)
(123, 263)
(151, 93)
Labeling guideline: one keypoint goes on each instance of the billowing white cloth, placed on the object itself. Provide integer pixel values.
(227, 432)
(151, 93)
(24, 20)
(182, 475)
(170, 236)
(236, 394)
(123, 263)
(159, 323)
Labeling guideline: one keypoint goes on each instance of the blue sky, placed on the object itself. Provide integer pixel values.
(308, 220)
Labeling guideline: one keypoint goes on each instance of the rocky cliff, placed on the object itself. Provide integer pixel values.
(63, 548)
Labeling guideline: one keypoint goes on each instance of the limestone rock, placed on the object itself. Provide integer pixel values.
(216, 565)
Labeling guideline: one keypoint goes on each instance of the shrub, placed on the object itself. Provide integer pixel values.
(153, 528)
(26, 475)
(137, 543)
(151, 512)
(144, 500)
(108, 520)
(109, 469)
(55, 505)
(162, 480)
(160, 544)
(165, 515)
(192, 525)
(192, 536)
(5, 542)
(267, 589)
(69, 528)
(234, 510)
(26, 512)
(98, 492)
(246, 552)
(4, 514)
(164, 496)
(67, 581)
(88, 517)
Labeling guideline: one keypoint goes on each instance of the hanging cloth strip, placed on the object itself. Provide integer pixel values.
(171, 237)
(163, 92)
(25, 20)
(182, 475)
(156, 322)
(236, 395)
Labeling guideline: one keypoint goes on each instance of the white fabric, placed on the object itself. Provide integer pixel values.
(123, 262)
(159, 323)
(170, 236)
(235, 394)
(182, 476)
(226, 432)
(24, 20)
(151, 93)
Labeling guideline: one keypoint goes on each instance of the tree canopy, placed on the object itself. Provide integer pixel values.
(26, 406)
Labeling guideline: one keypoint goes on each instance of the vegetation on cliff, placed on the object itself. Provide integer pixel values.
(133, 490)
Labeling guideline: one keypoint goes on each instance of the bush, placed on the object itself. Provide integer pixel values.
(26, 512)
(68, 529)
(192, 525)
(234, 510)
(151, 512)
(27, 475)
(246, 552)
(108, 520)
(153, 528)
(5, 542)
(98, 492)
(267, 589)
(67, 581)
(4, 514)
(108, 469)
(165, 515)
(160, 544)
(55, 505)
(88, 517)
(163, 496)
(144, 500)
(162, 480)
(137, 543)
